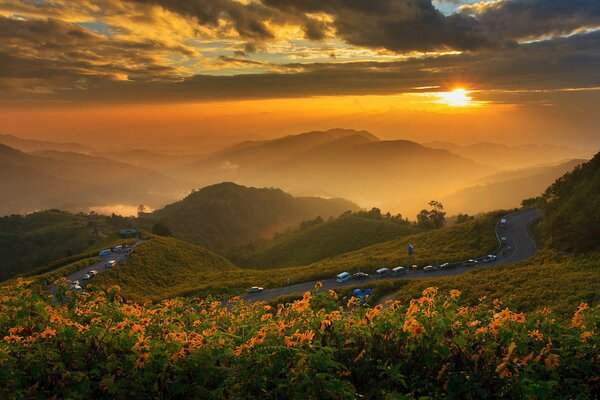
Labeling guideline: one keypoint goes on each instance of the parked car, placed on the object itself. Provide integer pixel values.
(448, 265)
(399, 271)
(255, 289)
(503, 222)
(503, 240)
(429, 268)
(360, 275)
(489, 258)
(77, 287)
(382, 272)
(470, 263)
(110, 264)
(343, 277)
(86, 277)
(74, 283)
(93, 272)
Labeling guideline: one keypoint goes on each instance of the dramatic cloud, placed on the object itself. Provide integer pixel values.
(169, 50)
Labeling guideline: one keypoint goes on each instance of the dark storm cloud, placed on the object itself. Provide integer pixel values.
(397, 25)
(521, 18)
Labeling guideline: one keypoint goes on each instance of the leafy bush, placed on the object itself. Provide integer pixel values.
(572, 209)
(93, 345)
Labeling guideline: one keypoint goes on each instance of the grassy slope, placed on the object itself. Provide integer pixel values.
(227, 215)
(29, 243)
(325, 240)
(167, 267)
(548, 279)
(161, 267)
(458, 242)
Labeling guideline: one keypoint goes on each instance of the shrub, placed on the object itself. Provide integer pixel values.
(94, 345)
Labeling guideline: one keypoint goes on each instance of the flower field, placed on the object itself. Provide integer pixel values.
(95, 345)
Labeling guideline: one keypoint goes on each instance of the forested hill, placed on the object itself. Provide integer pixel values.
(226, 215)
(572, 209)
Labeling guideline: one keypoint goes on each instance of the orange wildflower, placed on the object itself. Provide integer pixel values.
(324, 324)
(48, 333)
(586, 335)
(307, 336)
(551, 362)
(455, 293)
(536, 335)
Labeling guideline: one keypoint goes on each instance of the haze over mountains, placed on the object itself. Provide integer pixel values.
(394, 175)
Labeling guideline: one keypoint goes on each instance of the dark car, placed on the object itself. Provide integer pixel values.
(360, 275)
(255, 289)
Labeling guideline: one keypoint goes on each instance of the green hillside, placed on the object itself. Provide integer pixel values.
(161, 267)
(226, 215)
(453, 243)
(546, 280)
(572, 209)
(326, 239)
(32, 241)
(167, 267)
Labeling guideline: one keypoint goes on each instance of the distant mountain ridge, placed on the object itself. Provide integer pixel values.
(510, 157)
(28, 145)
(391, 174)
(506, 189)
(54, 179)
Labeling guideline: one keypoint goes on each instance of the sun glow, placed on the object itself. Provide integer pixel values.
(456, 98)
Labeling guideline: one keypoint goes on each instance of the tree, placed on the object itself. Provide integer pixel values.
(141, 210)
(437, 216)
(434, 218)
(161, 229)
(460, 218)
(423, 219)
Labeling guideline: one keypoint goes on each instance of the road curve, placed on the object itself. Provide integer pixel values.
(100, 266)
(519, 246)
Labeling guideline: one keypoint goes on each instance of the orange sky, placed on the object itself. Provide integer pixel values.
(153, 72)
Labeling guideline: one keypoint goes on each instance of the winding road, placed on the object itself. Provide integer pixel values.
(518, 246)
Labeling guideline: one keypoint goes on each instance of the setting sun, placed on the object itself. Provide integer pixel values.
(456, 98)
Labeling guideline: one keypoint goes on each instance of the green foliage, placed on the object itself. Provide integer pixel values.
(35, 240)
(161, 229)
(319, 241)
(223, 216)
(460, 218)
(546, 280)
(93, 345)
(572, 209)
(433, 218)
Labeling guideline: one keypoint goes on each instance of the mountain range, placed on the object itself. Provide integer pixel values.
(395, 175)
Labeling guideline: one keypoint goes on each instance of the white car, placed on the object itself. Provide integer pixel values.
(429, 268)
(489, 258)
(75, 283)
(86, 277)
(77, 287)
(110, 264)
(93, 272)
(255, 289)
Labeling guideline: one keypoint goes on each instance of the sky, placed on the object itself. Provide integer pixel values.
(168, 71)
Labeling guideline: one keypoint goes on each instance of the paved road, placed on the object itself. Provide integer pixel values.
(99, 266)
(519, 246)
